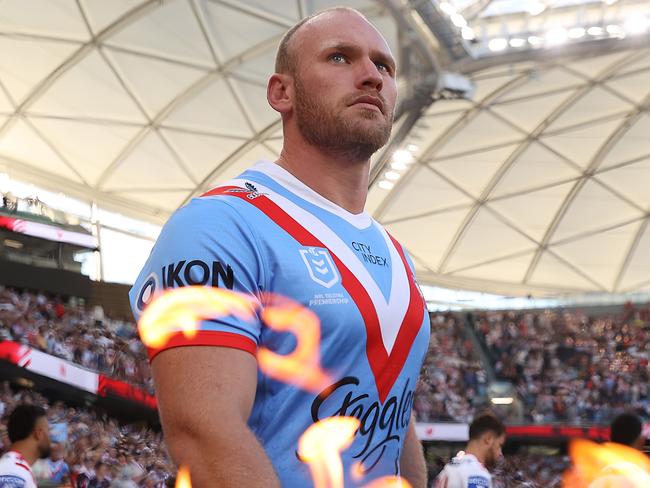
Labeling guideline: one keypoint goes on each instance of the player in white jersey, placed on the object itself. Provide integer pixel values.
(29, 433)
(469, 469)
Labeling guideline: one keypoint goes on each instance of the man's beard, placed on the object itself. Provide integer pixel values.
(44, 451)
(335, 134)
(491, 461)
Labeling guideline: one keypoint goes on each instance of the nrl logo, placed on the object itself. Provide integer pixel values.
(250, 190)
(320, 266)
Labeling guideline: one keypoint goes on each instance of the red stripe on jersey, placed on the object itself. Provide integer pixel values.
(207, 338)
(385, 367)
(24, 466)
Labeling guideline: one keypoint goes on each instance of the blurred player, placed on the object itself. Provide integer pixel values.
(625, 429)
(29, 433)
(471, 468)
(297, 228)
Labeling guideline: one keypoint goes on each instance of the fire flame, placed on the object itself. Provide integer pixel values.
(302, 366)
(182, 309)
(389, 482)
(320, 447)
(606, 465)
(183, 478)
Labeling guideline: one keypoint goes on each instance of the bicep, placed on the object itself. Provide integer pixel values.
(204, 390)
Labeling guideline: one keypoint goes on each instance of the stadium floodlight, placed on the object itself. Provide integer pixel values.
(412, 147)
(502, 400)
(447, 8)
(13, 244)
(392, 175)
(595, 31)
(535, 40)
(468, 33)
(614, 30)
(458, 20)
(402, 156)
(386, 185)
(556, 36)
(398, 166)
(517, 42)
(576, 32)
(498, 44)
(636, 25)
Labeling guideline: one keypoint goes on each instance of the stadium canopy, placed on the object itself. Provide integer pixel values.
(519, 162)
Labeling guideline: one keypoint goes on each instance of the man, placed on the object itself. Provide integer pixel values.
(471, 468)
(626, 429)
(29, 433)
(297, 228)
(58, 468)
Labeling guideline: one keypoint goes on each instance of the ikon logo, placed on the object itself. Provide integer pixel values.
(320, 266)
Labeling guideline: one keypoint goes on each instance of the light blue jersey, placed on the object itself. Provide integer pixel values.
(268, 232)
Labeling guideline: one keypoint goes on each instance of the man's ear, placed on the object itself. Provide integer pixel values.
(488, 438)
(279, 92)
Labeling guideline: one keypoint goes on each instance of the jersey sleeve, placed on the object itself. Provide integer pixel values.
(16, 477)
(450, 478)
(208, 243)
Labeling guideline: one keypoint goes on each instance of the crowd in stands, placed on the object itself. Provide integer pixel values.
(566, 366)
(73, 332)
(93, 451)
(452, 383)
(569, 366)
(530, 471)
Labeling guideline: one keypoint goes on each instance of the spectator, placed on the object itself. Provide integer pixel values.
(28, 432)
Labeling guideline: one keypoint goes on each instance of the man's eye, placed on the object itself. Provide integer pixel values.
(337, 58)
(383, 67)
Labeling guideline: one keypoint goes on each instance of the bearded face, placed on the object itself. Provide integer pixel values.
(494, 453)
(339, 128)
(44, 448)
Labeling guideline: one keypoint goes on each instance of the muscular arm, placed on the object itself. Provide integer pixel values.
(205, 396)
(412, 464)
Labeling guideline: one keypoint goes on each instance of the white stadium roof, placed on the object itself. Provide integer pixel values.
(536, 182)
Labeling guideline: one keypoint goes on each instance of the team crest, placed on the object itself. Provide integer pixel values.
(320, 266)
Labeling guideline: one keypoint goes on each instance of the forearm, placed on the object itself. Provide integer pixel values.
(232, 460)
(413, 467)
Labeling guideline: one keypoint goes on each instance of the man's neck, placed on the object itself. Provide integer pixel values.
(338, 179)
(477, 453)
(25, 451)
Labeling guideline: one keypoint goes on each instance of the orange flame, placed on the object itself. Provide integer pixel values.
(320, 447)
(302, 366)
(182, 309)
(606, 465)
(183, 478)
(389, 482)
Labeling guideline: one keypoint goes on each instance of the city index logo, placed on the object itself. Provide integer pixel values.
(186, 273)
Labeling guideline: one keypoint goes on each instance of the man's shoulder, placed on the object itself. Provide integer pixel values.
(15, 472)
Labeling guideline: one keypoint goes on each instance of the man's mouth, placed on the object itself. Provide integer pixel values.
(370, 102)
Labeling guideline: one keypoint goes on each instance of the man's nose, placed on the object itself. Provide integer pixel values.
(369, 75)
